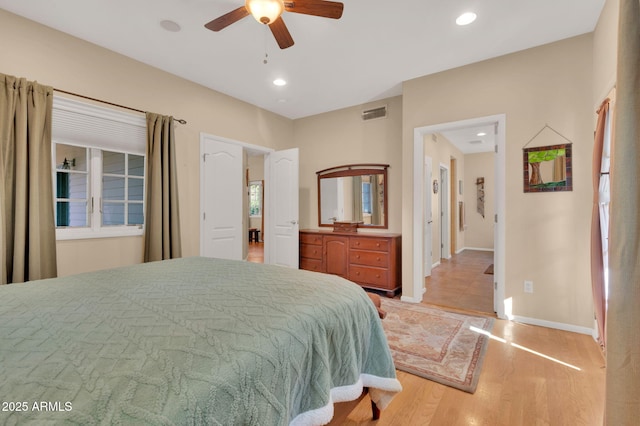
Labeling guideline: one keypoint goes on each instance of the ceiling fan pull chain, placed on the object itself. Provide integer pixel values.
(266, 55)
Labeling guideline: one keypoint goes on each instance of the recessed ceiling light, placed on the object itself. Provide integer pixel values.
(481, 134)
(279, 82)
(170, 26)
(466, 18)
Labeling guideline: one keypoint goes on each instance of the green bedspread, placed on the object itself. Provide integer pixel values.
(188, 341)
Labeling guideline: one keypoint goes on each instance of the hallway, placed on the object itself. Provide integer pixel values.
(256, 252)
(460, 282)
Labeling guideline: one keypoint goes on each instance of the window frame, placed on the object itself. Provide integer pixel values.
(116, 132)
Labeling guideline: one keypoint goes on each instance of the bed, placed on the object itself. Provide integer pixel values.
(189, 341)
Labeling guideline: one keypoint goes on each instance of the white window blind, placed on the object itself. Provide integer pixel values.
(93, 126)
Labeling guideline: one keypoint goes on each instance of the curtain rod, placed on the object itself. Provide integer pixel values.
(179, 120)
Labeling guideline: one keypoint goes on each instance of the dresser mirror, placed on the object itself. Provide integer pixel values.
(353, 193)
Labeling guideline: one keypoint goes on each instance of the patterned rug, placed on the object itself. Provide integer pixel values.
(436, 344)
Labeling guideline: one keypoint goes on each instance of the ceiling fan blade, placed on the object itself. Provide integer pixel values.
(281, 33)
(227, 19)
(326, 9)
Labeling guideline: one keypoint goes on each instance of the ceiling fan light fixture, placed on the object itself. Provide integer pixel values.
(265, 11)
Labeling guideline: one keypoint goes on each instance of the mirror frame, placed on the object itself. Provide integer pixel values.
(568, 186)
(356, 170)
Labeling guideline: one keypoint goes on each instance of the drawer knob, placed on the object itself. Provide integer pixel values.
(377, 244)
(357, 256)
(357, 273)
(378, 259)
(377, 275)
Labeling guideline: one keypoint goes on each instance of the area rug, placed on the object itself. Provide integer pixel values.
(489, 270)
(436, 344)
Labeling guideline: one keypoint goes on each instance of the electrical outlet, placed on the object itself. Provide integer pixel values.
(528, 286)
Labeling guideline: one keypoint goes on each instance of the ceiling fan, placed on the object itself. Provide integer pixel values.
(268, 12)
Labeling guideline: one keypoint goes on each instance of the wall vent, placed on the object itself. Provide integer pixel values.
(372, 114)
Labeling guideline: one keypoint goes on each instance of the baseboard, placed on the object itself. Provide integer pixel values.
(411, 299)
(435, 264)
(551, 324)
(477, 248)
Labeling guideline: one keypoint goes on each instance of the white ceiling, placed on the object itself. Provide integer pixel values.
(474, 139)
(362, 57)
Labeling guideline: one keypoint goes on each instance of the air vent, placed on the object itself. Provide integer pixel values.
(372, 114)
(475, 142)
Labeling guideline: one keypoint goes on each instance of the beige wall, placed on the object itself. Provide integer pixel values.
(39, 53)
(547, 235)
(479, 231)
(341, 137)
(441, 152)
(605, 48)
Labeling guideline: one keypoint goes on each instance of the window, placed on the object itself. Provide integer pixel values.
(99, 166)
(366, 197)
(255, 199)
(122, 189)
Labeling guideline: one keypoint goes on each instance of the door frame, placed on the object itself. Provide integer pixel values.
(500, 205)
(427, 219)
(445, 215)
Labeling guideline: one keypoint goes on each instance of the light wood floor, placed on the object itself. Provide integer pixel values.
(460, 282)
(256, 252)
(523, 379)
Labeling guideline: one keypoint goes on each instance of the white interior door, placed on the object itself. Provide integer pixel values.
(281, 196)
(428, 217)
(221, 193)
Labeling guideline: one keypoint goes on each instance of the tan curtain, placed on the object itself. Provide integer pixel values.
(162, 218)
(597, 260)
(623, 315)
(357, 198)
(28, 239)
(376, 207)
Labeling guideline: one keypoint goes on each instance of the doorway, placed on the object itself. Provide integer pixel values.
(420, 246)
(256, 234)
(224, 201)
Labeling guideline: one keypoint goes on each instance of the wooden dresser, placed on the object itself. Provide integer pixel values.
(371, 260)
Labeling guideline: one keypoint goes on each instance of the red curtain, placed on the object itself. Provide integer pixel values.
(597, 264)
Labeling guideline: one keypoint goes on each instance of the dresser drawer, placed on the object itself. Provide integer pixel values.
(311, 264)
(311, 251)
(377, 244)
(369, 275)
(311, 238)
(369, 258)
